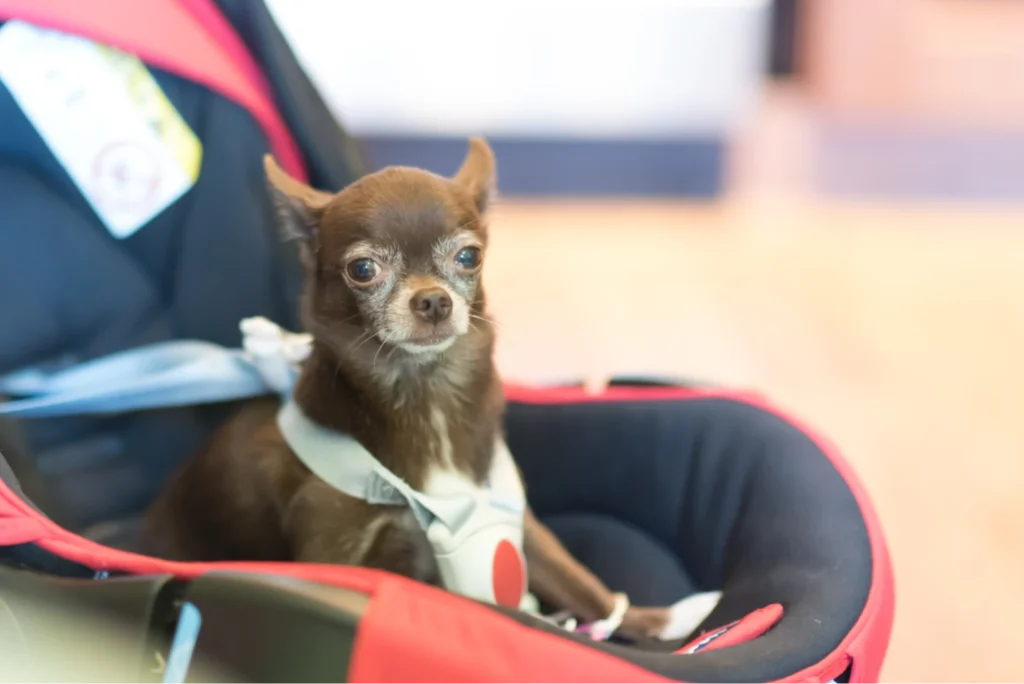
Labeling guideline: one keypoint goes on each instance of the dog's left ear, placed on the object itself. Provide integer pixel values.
(299, 206)
(477, 173)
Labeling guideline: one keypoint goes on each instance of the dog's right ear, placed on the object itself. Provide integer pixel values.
(299, 207)
(477, 173)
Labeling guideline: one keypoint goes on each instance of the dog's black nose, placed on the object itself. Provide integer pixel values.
(432, 304)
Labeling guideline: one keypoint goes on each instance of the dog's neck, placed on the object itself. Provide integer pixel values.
(412, 413)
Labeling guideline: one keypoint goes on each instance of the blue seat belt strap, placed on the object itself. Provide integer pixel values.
(163, 375)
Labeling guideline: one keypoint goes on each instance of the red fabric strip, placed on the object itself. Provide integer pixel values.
(414, 633)
(749, 627)
(19, 530)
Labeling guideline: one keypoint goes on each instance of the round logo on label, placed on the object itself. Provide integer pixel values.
(126, 176)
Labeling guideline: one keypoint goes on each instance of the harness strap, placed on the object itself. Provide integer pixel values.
(345, 464)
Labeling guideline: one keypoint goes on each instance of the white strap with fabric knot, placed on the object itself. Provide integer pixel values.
(276, 353)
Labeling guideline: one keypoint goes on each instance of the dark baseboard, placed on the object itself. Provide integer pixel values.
(687, 168)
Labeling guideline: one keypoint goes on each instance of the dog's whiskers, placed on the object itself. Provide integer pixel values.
(365, 337)
(384, 341)
(489, 321)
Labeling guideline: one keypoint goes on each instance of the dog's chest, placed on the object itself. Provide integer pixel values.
(472, 519)
(451, 455)
(437, 450)
(479, 551)
(445, 478)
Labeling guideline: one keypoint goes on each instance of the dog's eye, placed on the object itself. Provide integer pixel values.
(468, 258)
(363, 270)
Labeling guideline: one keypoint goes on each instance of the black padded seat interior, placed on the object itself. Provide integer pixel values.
(744, 500)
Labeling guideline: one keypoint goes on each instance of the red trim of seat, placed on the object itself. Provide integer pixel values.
(416, 620)
(189, 38)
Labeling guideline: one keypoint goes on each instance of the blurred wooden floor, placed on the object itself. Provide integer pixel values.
(897, 330)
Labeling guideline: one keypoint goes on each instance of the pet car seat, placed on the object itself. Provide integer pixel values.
(663, 491)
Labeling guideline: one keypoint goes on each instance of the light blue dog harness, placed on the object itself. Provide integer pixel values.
(476, 532)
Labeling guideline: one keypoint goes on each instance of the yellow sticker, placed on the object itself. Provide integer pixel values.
(158, 111)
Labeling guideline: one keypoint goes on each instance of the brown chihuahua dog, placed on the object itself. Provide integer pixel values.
(402, 362)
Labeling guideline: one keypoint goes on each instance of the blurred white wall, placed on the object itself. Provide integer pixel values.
(593, 69)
